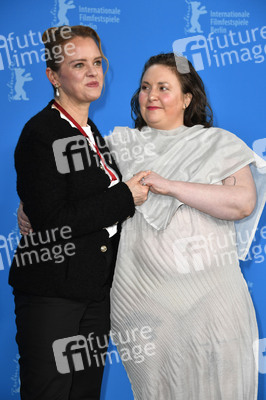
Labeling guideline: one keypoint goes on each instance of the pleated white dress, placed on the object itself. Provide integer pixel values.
(182, 286)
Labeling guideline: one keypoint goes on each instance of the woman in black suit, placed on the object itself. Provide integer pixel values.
(74, 197)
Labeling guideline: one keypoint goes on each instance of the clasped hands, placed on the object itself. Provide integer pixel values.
(143, 182)
(140, 185)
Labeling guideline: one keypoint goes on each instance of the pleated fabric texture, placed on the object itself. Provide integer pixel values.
(183, 286)
(181, 312)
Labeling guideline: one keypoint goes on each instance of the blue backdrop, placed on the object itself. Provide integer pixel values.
(226, 41)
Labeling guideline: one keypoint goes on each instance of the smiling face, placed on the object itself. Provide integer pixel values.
(162, 102)
(80, 76)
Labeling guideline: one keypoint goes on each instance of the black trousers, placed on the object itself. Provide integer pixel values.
(57, 361)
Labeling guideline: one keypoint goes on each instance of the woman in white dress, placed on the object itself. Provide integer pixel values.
(182, 317)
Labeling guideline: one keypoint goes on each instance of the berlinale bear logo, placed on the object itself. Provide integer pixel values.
(194, 13)
(20, 93)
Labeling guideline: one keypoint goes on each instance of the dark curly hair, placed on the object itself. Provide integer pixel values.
(199, 111)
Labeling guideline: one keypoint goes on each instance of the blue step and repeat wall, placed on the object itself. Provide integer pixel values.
(226, 42)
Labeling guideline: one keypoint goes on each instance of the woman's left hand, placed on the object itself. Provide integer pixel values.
(157, 183)
(23, 221)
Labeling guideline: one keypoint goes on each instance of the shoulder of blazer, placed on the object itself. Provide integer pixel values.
(47, 126)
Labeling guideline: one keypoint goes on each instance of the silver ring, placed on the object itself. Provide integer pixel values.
(142, 182)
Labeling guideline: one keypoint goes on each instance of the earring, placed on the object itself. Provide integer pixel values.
(56, 90)
(185, 106)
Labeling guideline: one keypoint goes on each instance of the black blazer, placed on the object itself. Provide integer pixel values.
(68, 213)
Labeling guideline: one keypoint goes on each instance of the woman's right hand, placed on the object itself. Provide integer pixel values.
(23, 221)
(139, 191)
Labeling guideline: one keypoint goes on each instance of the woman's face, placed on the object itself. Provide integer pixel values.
(162, 102)
(80, 77)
